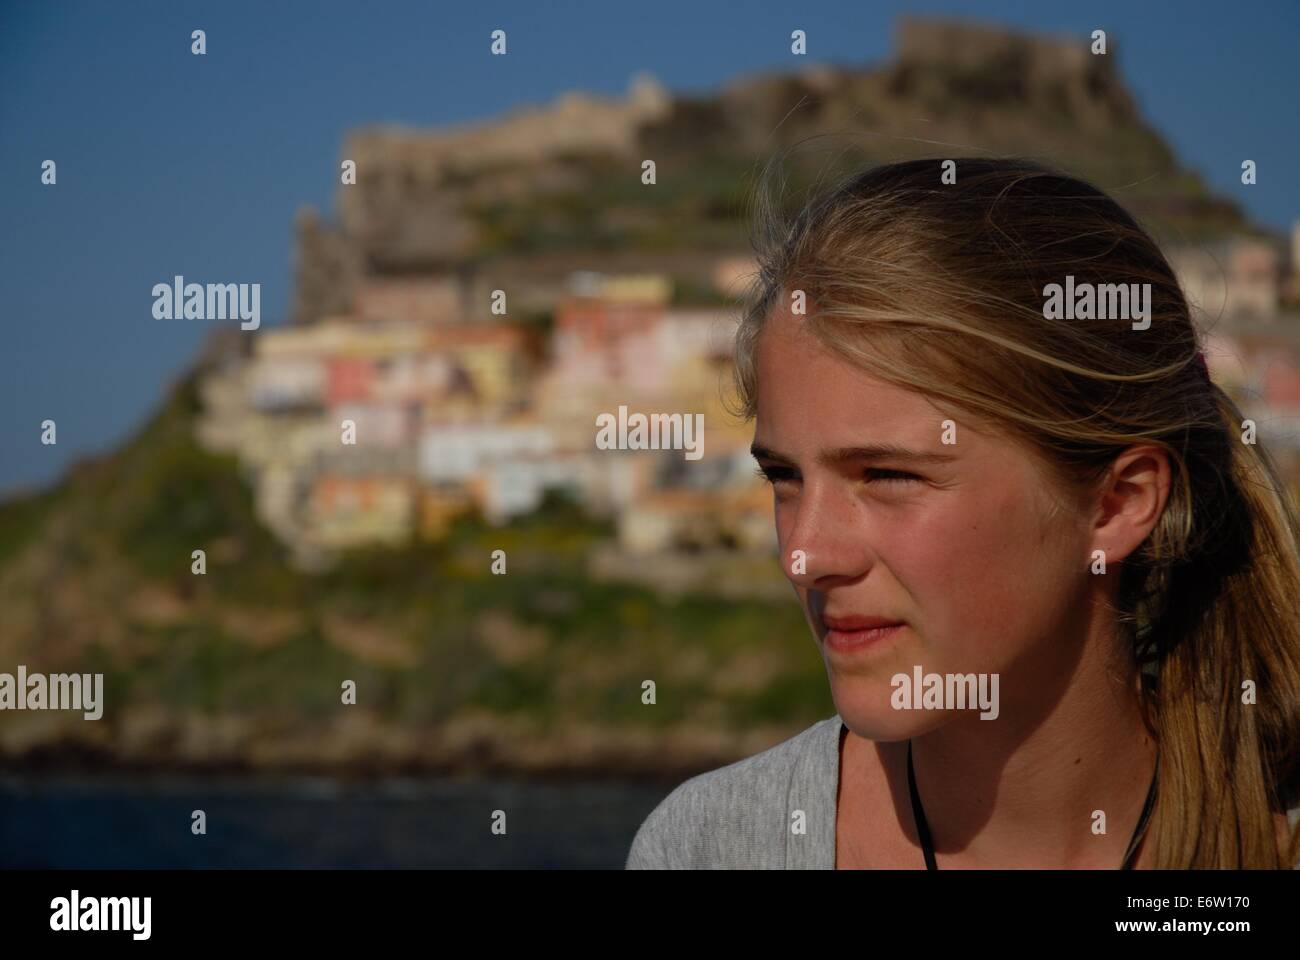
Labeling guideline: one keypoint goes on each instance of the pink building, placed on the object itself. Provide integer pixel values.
(637, 347)
(348, 378)
(1282, 384)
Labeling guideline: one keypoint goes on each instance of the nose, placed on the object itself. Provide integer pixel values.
(829, 525)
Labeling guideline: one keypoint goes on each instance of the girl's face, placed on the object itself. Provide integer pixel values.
(957, 541)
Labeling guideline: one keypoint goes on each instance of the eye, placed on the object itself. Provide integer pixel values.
(774, 474)
(889, 476)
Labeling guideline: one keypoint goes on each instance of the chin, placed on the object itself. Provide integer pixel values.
(865, 709)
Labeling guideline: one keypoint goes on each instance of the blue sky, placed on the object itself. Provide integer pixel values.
(170, 163)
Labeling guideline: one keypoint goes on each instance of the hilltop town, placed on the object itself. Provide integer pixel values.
(462, 405)
(454, 414)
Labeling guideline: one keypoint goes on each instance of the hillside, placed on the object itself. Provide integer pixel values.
(537, 670)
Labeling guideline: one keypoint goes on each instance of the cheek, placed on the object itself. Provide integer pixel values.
(980, 574)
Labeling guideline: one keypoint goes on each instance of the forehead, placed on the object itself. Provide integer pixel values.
(808, 395)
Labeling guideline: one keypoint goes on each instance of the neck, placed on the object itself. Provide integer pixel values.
(1020, 791)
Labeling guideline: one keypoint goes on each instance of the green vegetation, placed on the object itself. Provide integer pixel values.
(21, 519)
(426, 630)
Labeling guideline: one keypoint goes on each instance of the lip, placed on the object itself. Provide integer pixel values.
(850, 623)
(853, 633)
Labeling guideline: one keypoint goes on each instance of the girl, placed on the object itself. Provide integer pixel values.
(1052, 574)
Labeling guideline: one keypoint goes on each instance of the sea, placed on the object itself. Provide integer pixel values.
(124, 822)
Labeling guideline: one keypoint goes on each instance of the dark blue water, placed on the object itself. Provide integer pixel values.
(126, 823)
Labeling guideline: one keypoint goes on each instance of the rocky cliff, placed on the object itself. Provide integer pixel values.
(566, 176)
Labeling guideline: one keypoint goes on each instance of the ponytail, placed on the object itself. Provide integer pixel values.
(1222, 603)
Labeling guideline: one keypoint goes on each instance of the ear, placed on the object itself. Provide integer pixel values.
(1131, 499)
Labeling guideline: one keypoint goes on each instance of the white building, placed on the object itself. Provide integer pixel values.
(456, 452)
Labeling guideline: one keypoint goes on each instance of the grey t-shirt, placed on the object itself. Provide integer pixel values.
(740, 817)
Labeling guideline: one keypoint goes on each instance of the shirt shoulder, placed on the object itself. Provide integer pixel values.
(739, 816)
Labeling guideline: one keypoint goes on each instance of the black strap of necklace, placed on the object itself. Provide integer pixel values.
(927, 843)
(1141, 827)
(922, 826)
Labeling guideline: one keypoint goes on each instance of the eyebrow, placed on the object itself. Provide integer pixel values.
(874, 451)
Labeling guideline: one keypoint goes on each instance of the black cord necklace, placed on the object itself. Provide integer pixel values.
(927, 844)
